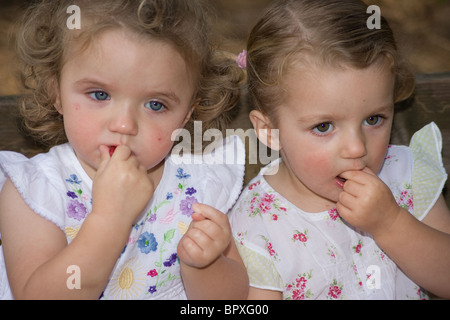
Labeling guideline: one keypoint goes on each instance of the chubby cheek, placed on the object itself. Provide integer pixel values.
(155, 148)
(308, 162)
(379, 155)
(316, 166)
(80, 127)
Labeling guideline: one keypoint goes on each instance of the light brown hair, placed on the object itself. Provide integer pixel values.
(328, 32)
(43, 41)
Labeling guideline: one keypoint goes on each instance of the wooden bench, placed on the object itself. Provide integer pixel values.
(430, 102)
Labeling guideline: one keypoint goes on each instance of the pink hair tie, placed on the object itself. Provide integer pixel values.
(241, 59)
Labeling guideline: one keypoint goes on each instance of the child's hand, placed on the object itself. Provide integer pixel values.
(209, 234)
(121, 186)
(366, 202)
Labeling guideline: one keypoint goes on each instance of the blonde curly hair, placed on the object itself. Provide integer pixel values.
(328, 32)
(43, 40)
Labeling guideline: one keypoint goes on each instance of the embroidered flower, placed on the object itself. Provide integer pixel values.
(299, 289)
(264, 206)
(152, 273)
(152, 289)
(181, 174)
(298, 295)
(169, 262)
(333, 213)
(241, 237)
(85, 197)
(335, 290)
(266, 202)
(72, 194)
(73, 179)
(169, 195)
(358, 247)
(147, 242)
(152, 218)
(76, 210)
(270, 249)
(405, 200)
(300, 236)
(186, 206)
(254, 185)
(190, 191)
(301, 282)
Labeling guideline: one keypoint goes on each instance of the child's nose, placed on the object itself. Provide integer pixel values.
(354, 145)
(124, 121)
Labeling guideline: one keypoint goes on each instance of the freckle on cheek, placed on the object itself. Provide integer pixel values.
(77, 106)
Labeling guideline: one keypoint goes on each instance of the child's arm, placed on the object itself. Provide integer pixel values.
(211, 267)
(420, 249)
(36, 252)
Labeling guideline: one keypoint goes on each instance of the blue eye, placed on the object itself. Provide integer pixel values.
(373, 120)
(99, 95)
(155, 105)
(323, 128)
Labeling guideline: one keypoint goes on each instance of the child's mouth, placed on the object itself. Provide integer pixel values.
(111, 150)
(340, 181)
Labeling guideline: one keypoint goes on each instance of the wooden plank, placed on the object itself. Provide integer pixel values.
(11, 137)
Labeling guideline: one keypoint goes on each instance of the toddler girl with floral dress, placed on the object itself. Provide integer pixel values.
(109, 211)
(342, 214)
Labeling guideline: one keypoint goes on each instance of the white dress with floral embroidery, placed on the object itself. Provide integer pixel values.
(56, 187)
(318, 255)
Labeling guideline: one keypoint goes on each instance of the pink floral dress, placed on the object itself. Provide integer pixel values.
(318, 255)
(57, 188)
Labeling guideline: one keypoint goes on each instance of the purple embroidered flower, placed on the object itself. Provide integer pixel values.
(169, 195)
(72, 194)
(186, 206)
(147, 242)
(190, 191)
(152, 218)
(152, 289)
(169, 262)
(76, 210)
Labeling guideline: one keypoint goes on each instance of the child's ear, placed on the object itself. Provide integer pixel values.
(265, 130)
(189, 114)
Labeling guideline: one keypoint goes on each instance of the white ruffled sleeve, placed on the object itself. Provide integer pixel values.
(33, 185)
(428, 174)
(225, 173)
